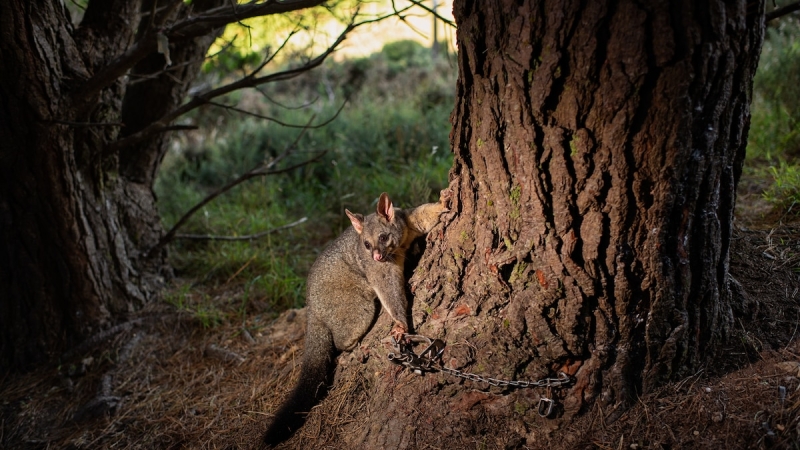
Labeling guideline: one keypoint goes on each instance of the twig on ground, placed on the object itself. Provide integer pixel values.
(222, 354)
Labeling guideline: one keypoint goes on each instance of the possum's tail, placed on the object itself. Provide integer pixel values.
(315, 375)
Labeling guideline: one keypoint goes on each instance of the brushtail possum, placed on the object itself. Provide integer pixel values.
(364, 263)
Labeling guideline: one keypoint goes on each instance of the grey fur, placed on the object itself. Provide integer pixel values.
(365, 262)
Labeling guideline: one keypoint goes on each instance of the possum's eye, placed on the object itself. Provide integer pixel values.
(382, 238)
(366, 244)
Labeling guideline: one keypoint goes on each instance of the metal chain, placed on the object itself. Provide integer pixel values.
(562, 380)
(430, 360)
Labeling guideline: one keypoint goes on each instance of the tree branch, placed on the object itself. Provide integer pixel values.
(432, 12)
(180, 128)
(117, 68)
(269, 58)
(782, 11)
(284, 106)
(144, 77)
(189, 27)
(206, 21)
(247, 237)
(251, 174)
(272, 119)
(203, 99)
(88, 124)
(403, 19)
(261, 169)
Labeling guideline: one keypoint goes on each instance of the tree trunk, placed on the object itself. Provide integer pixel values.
(597, 150)
(76, 222)
(150, 98)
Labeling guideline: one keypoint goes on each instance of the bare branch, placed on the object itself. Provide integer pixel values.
(152, 13)
(402, 18)
(247, 237)
(782, 11)
(180, 128)
(189, 27)
(251, 174)
(88, 124)
(117, 68)
(272, 119)
(269, 59)
(203, 99)
(144, 77)
(261, 169)
(206, 21)
(275, 102)
(433, 13)
(81, 7)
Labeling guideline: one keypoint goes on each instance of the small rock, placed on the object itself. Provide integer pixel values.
(247, 336)
(97, 407)
(696, 433)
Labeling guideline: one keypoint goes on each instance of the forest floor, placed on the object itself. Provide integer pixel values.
(167, 379)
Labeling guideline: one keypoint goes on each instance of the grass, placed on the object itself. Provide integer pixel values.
(391, 135)
(785, 190)
(773, 150)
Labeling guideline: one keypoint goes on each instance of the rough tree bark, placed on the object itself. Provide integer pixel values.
(77, 220)
(597, 150)
(75, 223)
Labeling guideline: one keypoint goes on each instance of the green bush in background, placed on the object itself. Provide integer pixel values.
(773, 149)
(776, 105)
(391, 135)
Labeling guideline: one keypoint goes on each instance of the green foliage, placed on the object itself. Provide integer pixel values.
(402, 55)
(200, 307)
(771, 131)
(392, 135)
(785, 191)
(245, 44)
(774, 139)
(775, 128)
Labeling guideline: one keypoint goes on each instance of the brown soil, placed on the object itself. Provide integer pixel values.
(164, 380)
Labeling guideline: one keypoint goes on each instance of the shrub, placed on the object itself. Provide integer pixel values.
(392, 135)
(775, 127)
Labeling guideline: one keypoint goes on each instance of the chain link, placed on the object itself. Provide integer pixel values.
(430, 360)
(562, 380)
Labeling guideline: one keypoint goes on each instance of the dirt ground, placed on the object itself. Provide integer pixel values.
(163, 380)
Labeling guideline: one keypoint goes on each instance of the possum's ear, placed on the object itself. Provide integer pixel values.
(357, 220)
(385, 208)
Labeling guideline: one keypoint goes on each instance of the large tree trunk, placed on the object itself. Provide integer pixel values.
(76, 221)
(597, 150)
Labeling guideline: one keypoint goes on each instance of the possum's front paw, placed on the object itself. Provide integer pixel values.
(445, 196)
(398, 331)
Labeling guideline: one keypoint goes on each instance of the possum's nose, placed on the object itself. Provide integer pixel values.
(377, 256)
